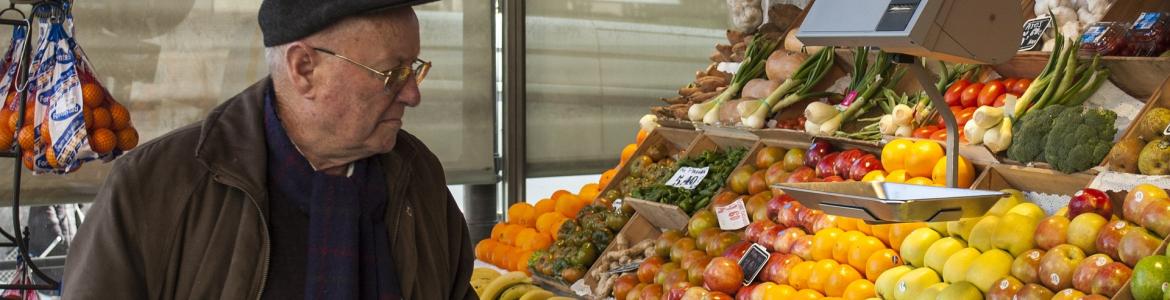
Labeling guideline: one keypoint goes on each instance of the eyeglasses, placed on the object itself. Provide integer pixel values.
(396, 77)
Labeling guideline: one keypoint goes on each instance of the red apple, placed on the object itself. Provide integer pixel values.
(695, 275)
(734, 251)
(845, 161)
(776, 203)
(788, 212)
(1057, 266)
(713, 295)
(1093, 297)
(723, 275)
(1156, 216)
(745, 293)
(673, 277)
(623, 284)
(864, 165)
(804, 174)
(769, 156)
(1033, 291)
(816, 151)
(705, 238)
(1026, 267)
(1110, 236)
(1085, 273)
(1090, 200)
(834, 178)
(694, 259)
(649, 269)
(757, 227)
(777, 268)
(695, 293)
(769, 236)
(1132, 207)
(803, 247)
(826, 167)
(786, 238)
(651, 291)
(676, 291)
(681, 247)
(1110, 279)
(1137, 244)
(775, 174)
(1051, 232)
(757, 184)
(1005, 289)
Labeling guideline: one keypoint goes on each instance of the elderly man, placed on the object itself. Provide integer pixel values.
(302, 186)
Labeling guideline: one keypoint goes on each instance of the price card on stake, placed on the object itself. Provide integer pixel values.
(753, 261)
(732, 216)
(1033, 31)
(687, 177)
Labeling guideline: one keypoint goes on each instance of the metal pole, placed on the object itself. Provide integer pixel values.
(479, 205)
(926, 79)
(515, 88)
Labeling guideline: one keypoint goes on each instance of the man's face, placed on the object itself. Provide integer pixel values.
(360, 116)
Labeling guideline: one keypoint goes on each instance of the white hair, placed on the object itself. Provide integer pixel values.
(275, 57)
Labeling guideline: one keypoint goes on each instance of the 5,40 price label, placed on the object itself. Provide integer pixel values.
(687, 177)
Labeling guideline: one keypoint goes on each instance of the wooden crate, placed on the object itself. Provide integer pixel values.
(1028, 179)
(676, 141)
(1139, 77)
(636, 230)
(1117, 197)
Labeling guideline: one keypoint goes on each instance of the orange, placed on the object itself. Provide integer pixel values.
(522, 213)
(51, 157)
(847, 224)
(522, 262)
(119, 116)
(859, 290)
(510, 233)
(26, 137)
(568, 205)
(127, 138)
(840, 279)
(545, 206)
(820, 274)
(899, 231)
(844, 242)
(498, 231)
(966, 172)
(527, 239)
(5, 115)
(882, 232)
(499, 253)
(875, 175)
(606, 177)
(92, 94)
(861, 250)
(781, 291)
(12, 119)
(556, 227)
(101, 117)
(483, 249)
(642, 134)
(864, 228)
(589, 191)
(799, 275)
(881, 261)
(27, 158)
(628, 152)
(6, 138)
(920, 181)
(894, 154)
(896, 176)
(807, 294)
(87, 115)
(8, 100)
(546, 220)
(922, 157)
(822, 245)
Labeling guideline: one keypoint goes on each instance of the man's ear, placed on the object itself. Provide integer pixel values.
(301, 62)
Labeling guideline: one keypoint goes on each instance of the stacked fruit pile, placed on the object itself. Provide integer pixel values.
(530, 228)
(491, 285)
(920, 162)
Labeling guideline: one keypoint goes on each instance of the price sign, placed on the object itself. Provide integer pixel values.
(687, 177)
(732, 216)
(1033, 31)
(753, 261)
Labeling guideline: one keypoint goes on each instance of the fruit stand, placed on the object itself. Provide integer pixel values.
(1075, 137)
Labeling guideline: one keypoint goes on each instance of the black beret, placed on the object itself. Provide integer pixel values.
(284, 21)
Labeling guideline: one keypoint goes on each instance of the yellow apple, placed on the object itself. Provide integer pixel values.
(941, 250)
(931, 292)
(955, 269)
(961, 291)
(1083, 230)
(915, 245)
(962, 227)
(1015, 233)
(1003, 205)
(989, 267)
(1028, 209)
(983, 234)
(911, 284)
(888, 281)
(941, 227)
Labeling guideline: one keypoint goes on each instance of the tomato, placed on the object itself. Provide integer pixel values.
(970, 95)
(925, 131)
(965, 115)
(939, 135)
(955, 91)
(1008, 82)
(990, 91)
(1020, 86)
(963, 137)
(999, 101)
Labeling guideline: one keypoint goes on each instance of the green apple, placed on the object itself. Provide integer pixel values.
(915, 245)
(983, 234)
(1028, 209)
(1003, 205)
(989, 267)
(941, 227)
(962, 227)
(887, 282)
(961, 291)
(955, 269)
(941, 250)
(1015, 233)
(911, 284)
(931, 292)
(1083, 230)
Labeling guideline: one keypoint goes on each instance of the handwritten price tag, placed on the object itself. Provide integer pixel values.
(732, 216)
(688, 178)
(1033, 31)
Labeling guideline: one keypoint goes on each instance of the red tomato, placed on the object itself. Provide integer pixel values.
(1020, 86)
(990, 91)
(970, 95)
(955, 91)
(962, 137)
(1008, 82)
(999, 101)
(964, 116)
(925, 131)
(939, 135)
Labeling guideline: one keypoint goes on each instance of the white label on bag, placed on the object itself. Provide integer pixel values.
(687, 177)
(732, 216)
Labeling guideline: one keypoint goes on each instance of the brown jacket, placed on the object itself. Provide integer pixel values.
(185, 217)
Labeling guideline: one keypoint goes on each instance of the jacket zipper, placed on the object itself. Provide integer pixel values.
(267, 242)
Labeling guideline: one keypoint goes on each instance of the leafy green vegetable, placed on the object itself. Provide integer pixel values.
(1030, 135)
(1080, 139)
(719, 163)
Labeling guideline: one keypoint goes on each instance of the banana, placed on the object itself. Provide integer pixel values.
(537, 294)
(497, 287)
(479, 284)
(560, 298)
(517, 291)
(481, 272)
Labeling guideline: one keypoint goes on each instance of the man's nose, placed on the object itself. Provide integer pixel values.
(409, 94)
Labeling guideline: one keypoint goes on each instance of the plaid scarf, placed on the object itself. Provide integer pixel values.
(348, 255)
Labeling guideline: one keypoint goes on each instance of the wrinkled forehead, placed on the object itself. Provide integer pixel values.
(394, 32)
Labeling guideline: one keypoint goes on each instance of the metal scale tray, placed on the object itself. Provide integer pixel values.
(884, 202)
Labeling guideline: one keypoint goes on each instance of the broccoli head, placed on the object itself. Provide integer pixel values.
(1080, 138)
(1028, 136)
